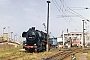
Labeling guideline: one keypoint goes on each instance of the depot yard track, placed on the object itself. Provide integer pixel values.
(54, 54)
(65, 53)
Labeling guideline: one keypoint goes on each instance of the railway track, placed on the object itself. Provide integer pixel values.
(63, 54)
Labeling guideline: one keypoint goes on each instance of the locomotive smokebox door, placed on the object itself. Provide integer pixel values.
(24, 34)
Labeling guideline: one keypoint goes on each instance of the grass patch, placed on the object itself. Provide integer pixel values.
(10, 53)
(78, 55)
(88, 56)
(37, 56)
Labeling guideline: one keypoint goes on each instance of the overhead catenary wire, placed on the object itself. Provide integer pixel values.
(79, 8)
(73, 12)
(57, 6)
(77, 14)
(59, 9)
(62, 4)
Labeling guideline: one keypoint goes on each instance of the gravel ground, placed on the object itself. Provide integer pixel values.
(83, 56)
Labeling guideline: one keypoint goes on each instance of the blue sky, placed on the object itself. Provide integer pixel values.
(20, 15)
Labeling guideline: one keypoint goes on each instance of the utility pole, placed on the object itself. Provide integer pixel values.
(48, 26)
(20, 39)
(83, 35)
(14, 38)
(62, 35)
(11, 35)
(3, 33)
(8, 34)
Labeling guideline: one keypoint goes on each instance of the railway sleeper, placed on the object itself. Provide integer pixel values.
(65, 55)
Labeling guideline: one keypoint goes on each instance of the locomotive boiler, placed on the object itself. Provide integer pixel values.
(35, 40)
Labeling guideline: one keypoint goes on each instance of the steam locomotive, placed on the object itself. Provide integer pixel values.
(35, 40)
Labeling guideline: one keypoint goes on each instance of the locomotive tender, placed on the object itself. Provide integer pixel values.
(35, 40)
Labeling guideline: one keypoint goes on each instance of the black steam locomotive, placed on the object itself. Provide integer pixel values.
(35, 40)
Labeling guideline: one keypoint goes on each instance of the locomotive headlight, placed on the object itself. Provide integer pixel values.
(34, 44)
(30, 37)
(25, 44)
(72, 44)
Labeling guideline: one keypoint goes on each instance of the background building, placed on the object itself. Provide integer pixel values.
(73, 39)
(5, 38)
